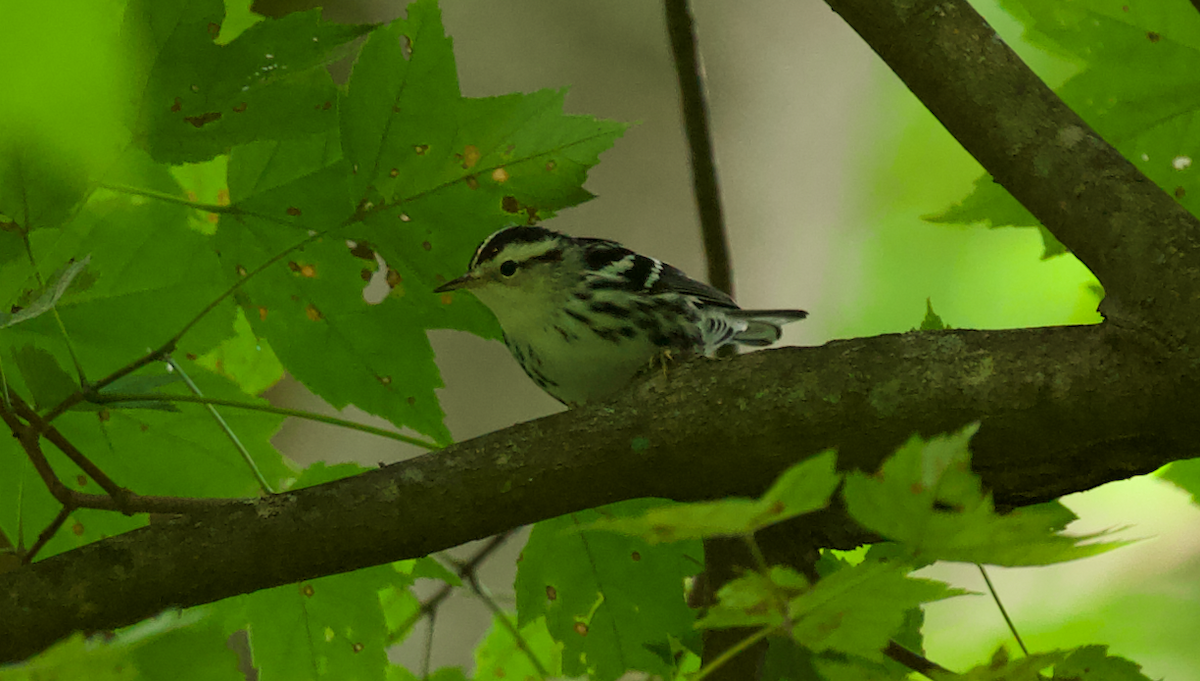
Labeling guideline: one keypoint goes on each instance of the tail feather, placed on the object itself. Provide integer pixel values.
(763, 326)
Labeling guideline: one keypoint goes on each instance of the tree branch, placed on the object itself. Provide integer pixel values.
(694, 105)
(1063, 409)
(1085, 192)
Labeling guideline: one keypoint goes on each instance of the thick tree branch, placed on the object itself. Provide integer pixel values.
(1063, 409)
(1138, 241)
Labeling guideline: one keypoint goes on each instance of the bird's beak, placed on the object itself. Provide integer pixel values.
(465, 281)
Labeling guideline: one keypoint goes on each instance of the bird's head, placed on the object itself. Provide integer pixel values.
(519, 267)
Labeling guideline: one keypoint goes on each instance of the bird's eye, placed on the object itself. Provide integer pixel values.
(508, 268)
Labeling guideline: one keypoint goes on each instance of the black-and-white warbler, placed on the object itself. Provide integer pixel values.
(583, 316)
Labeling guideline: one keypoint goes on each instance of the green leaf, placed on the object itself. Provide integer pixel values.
(417, 178)
(319, 472)
(201, 98)
(46, 380)
(1093, 663)
(327, 628)
(443, 674)
(1185, 475)
(932, 322)
(856, 610)
(45, 302)
(1139, 87)
(1026, 668)
(245, 359)
(431, 568)
(926, 497)
(74, 659)
(149, 650)
(803, 488)
(153, 452)
(141, 288)
(203, 644)
(853, 669)
(605, 597)
(499, 659)
(786, 660)
(755, 599)
(41, 184)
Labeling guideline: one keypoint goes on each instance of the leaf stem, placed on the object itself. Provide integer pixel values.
(168, 347)
(732, 651)
(105, 398)
(1007, 620)
(168, 198)
(502, 617)
(237, 442)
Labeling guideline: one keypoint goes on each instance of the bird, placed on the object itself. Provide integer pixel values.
(583, 316)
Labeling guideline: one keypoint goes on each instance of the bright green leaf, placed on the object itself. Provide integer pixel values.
(857, 610)
(803, 488)
(1093, 663)
(1139, 87)
(754, 599)
(499, 659)
(605, 596)
(201, 98)
(1185, 475)
(327, 628)
(932, 322)
(45, 302)
(1025, 668)
(926, 497)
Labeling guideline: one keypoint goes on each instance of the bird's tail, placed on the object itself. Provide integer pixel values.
(763, 326)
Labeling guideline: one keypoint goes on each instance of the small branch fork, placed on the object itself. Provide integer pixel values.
(29, 428)
(468, 572)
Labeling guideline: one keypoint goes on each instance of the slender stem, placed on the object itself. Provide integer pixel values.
(47, 534)
(690, 73)
(732, 652)
(427, 655)
(168, 198)
(105, 398)
(237, 442)
(168, 347)
(1007, 620)
(502, 617)
(72, 452)
(917, 663)
(431, 605)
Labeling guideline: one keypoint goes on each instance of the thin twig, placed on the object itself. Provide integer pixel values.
(690, 73)
(72, 452)
(47, 534)
(917, 663)
(468, 566)
(502, 617)
(1007, 620)
(31, 443)
(105, 398)
(221, 423)
(427, 656)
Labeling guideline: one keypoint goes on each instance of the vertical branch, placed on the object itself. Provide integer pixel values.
(720, 556)
(682, 33)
